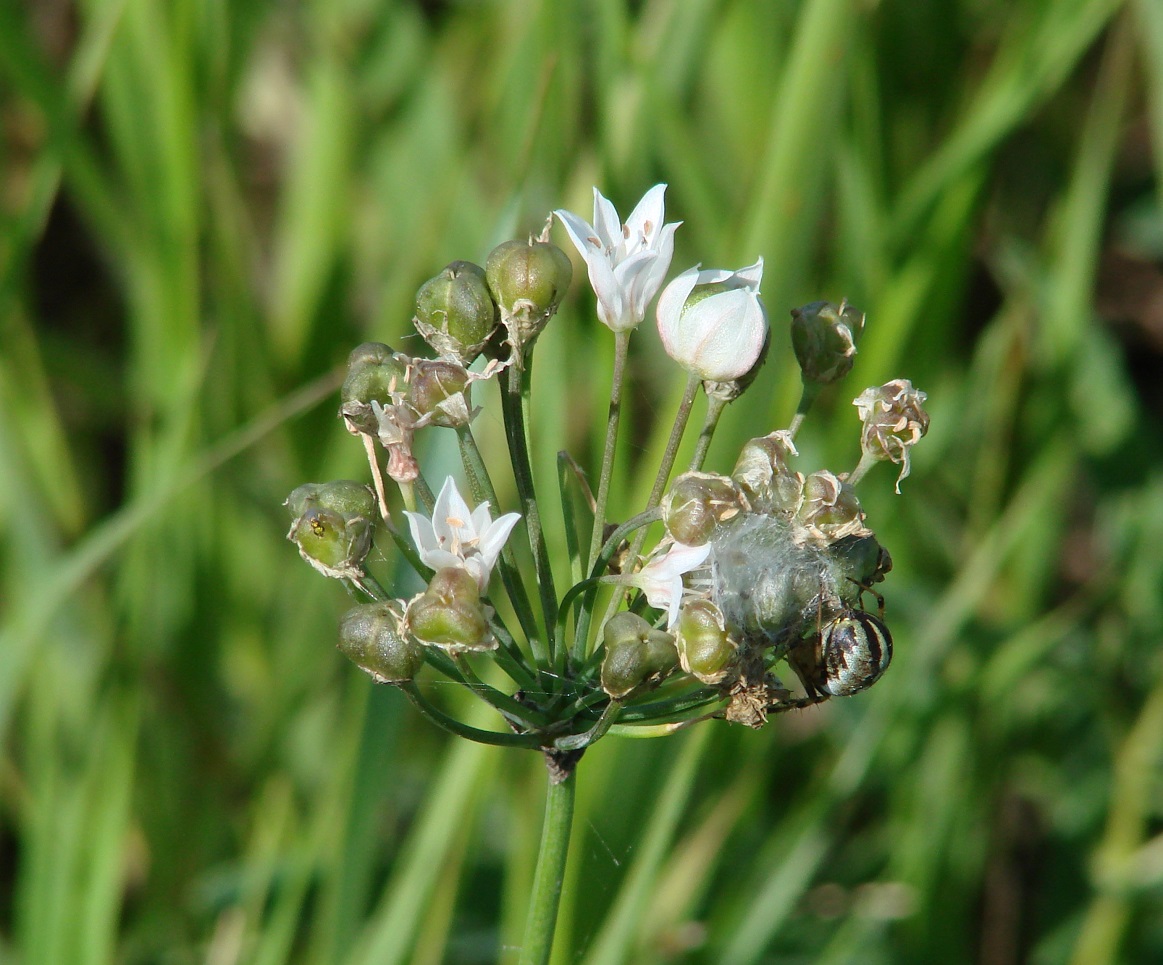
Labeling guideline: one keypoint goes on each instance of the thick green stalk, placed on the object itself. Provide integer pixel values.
(550, 872)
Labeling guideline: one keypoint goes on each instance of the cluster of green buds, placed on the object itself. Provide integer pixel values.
(747, 570)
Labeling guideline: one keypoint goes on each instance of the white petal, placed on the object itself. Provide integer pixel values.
(724, 334)
(583, 235)
(494, 537)
(456, 514)
(631, 276)
(647, 217)
(752, 275)
(661, 265)
(480, 520)
(681, 558)
(441, 510)
(423, 536)
(612, 301)
(606, 221)
(669, 310)
(661, 579)
(442, 559)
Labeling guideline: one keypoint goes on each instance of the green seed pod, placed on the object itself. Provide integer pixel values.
(527, 281)
(824, 337)
(374, 371)
(863, 563)
(450, 615)
(335, 545)
(455, 313)
(830, 510)
(765, 475)
(344, 496)
(440, 389)
(636, 654)
(697, 503)
(372, 638)
(704, 648)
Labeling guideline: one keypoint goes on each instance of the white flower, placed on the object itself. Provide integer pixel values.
(717, 335)
(627, 262)
(661, 578)
(454, 536)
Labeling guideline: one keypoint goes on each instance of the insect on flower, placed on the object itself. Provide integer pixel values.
(846, 655)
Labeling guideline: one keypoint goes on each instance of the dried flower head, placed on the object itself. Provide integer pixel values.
(894, 421)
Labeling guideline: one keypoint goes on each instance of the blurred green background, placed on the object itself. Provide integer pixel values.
(206, 203)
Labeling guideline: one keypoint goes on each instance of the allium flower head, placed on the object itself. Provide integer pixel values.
(712, 322)
(626, 262)
(456, 536)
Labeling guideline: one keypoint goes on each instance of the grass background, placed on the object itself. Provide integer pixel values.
(207, 203)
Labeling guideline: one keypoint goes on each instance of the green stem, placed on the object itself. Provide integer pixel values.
(453, 726)
(515, 713)
(621, 347)
(550, 873)
(568, 470)
(676, 433)
(509, 656)
(481, 485)
(585, 611)
(427, 500)
(668, 457)
(579, 741)
(513, 410)
(715, 407)
(811, 391)
(866, 463)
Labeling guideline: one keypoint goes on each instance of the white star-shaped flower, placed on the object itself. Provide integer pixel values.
(661, 578)
(456, 536)
(626, 262)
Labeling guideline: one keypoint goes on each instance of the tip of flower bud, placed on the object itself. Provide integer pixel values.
(455, 312)
(374, 372)
(824, 337)
(637, 655)
(371, 637)
(439, 389)
(713, 323)
(697, 503)
(528, 281)
(450, 614)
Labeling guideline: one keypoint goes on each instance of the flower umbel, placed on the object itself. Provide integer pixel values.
(626, 262)
(764, 566)
(712, 322)
(458, 537)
